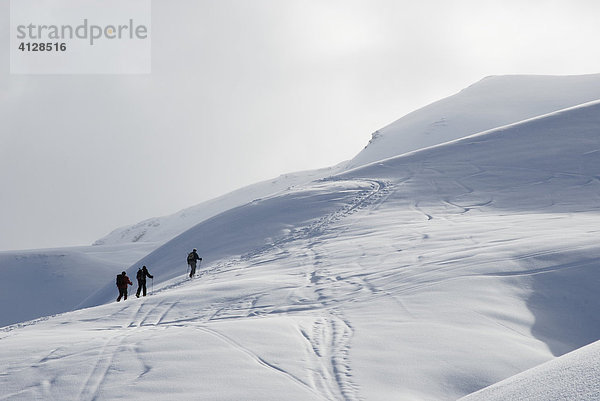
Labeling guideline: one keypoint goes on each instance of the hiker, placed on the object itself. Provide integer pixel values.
(192, 259)
(122, 283)
(141, 279)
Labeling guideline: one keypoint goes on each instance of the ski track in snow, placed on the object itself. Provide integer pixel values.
(378, 193)
(99, 372)
(260, 360)
(330, 336)
(117, 343)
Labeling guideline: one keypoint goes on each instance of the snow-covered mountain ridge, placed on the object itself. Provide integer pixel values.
(424, 276)
(493, 102)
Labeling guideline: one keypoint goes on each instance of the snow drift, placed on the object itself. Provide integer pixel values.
(572, 377)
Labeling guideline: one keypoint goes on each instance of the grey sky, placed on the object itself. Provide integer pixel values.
(246, 90)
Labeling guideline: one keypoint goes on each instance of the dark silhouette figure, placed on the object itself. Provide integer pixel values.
(122, 283)
(191, 260)
(141, 279)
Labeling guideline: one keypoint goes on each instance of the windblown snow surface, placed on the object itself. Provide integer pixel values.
(426, 276)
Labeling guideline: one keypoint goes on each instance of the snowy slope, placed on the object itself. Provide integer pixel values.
(75, 273)
(427, 276)
(241, 232)
(161, 229)
(43, 282)
(573, 377)
(490, 103)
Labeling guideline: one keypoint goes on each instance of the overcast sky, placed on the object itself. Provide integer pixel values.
(246, 90)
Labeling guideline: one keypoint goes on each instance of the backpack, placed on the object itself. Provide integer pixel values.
(191, 257)
(119, 280)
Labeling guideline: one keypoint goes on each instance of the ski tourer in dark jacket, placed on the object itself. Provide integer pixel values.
(122, 282)
(191, 260)
(141, 279)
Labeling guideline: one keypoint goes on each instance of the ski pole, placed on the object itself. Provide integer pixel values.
(152, 286)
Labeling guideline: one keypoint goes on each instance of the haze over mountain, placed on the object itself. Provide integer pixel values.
(426, 275)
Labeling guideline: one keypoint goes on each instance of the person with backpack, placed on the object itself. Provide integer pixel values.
(191, 260)
(141, 279)
(122, 283)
